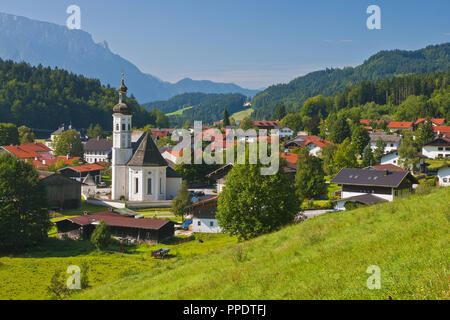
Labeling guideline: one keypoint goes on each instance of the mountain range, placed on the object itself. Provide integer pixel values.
(75, 51)
(382, 65)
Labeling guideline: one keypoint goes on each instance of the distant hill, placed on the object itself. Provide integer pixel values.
(199, 106)
(36, 42)
(384, 64)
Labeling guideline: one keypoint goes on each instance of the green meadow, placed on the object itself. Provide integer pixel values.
(242, 114)
(322, 258)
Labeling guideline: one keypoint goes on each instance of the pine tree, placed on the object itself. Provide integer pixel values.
(226, 118)
(379, 150)
(340, 130)
(368, 158)
(310, 177)
(360, 138)
(424, 133)
(281, 112)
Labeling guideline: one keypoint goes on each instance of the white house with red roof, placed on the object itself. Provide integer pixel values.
(438, 148)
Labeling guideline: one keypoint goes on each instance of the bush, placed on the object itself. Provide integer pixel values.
(101, 237)
(424, 188)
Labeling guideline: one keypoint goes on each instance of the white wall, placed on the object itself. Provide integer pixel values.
(391, 158)
(432, 152)
(346, 194)
(387, 148)
(444, 174)
(205, 226)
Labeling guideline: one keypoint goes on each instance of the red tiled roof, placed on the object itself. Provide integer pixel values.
(291, 158)
(368, 121)
(265, 123)
(438, 122)
(204, 201)
(35, 146)
(117, 220)
(442, 129)
(400, 125)
(21, 153)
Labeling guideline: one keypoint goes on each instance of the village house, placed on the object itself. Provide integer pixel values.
(391, 141)
(438, 148)
(371, 186)
(62, 192)
(120, 226)
(285, 132)
(398, 126)
(98, 150)
(391, 157)
(220, 175)
(79, 173)
(442, 130)
(268, 125)
(50, 141)
(443, 174)
(313, 143)
(204, 216)
(434, 122)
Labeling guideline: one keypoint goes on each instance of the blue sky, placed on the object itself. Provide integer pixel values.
(254, 43)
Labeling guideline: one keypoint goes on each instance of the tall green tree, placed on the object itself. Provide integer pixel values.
(424, 133)
(310, 177)
(265, 202)
(368, 158)
(340, 130)
(293, 121)
(360, 138)
(25, 134)
(95, 131)
(68, 143)
(24, 218)
(408, 151)
(226, 118)
(345, 156)
(281, 112)
(180, 205)
(246, 123)
(9, 134)
(379, 149)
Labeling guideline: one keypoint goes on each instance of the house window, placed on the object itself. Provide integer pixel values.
(129, 127)
(211, 223)
(440, 148)
(199, 223)
(444, 179)
(149, 186)
(117, 127)
(136, 189)
(123, 127)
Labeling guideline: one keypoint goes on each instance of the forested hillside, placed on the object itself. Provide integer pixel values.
(204, 107)
(44, 98)
(382, 65)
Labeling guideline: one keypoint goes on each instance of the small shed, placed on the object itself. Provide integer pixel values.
(62, 192)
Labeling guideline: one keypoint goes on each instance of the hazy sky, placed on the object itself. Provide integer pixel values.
(254, 43)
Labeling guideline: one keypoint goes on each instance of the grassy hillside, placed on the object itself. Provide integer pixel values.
(242, 114)
(322, 258)
(178, 112)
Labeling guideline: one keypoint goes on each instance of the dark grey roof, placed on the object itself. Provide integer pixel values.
(221, 172)
(439, 142)
(170, 173)
(147, 154)
(380, 178)
(367, 199)
(98, 145)
(385, 137)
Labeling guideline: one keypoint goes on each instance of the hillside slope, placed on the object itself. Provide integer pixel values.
(322, 258)
(74, 50)
(382, 65)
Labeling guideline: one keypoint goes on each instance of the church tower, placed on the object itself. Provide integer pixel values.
(122, 150)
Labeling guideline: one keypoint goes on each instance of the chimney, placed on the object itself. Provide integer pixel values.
(67, 157)
(386, 172)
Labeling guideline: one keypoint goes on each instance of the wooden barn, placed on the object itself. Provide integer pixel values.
(62, 192)
(120, 226)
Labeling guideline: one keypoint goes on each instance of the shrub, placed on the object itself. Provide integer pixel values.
(424, 188)
(101, 237)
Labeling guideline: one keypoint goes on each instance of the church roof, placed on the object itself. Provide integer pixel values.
(147, 154)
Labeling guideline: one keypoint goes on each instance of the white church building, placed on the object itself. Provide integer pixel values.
(139, 172)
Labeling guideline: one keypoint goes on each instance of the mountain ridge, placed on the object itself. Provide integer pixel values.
(54, 45)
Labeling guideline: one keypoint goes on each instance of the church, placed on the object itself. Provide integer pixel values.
(139, 172)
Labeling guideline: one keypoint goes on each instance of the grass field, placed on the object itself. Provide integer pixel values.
(242, 114)
(178, 112)
(26, 276)
(322, 258)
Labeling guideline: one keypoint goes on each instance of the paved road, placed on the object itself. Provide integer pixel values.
(315, 213)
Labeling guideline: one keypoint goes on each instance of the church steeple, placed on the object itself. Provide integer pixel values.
(121, 107)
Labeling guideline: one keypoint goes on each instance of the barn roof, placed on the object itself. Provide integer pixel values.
(378, 178)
